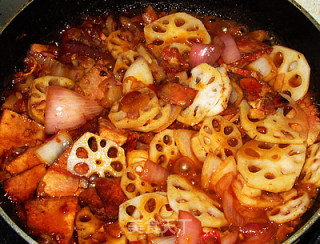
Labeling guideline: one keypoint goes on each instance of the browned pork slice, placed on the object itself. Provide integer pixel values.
(53, 216)
(18, 130)
(112, 196)
(23, 162)
(22, 186)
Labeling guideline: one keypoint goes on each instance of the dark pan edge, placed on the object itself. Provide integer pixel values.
(16, 228)
(306, 13)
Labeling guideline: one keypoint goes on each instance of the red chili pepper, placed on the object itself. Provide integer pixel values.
(251, 85)
(152, 87)
(131, 141)
(243, 72)
(250, 57)
(173, 61)
(211, 237)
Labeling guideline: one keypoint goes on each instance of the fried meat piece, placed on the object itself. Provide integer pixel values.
(90, 198)
(22, 186)
(53, 216)
(17, 130)
(59, 183)
(111, 195)
(23, 162)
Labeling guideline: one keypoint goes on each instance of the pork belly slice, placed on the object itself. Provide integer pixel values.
(58, 183)
(109, 131)
(53, 216)
(111, 194)
(22, 186)
(18, 130)
(23, 162)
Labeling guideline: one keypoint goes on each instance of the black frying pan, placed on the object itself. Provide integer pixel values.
(42, 19)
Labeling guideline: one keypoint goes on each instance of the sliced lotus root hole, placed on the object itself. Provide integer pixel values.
(41, 88)
(251, 119)
(167, 140)
(179, 187)
(166, 211)
(120, 36)
(131, 188)
(283, 145)
(193, 28)
(269, 176)
(121, 71)
(262, 129)
(157, 28)
(278, 59)
(93, 177)
(81, 152)
(287, 134)
(131, 227)
(195, 212)
(295, 81)
(206, 140)
(130, 210)
(207, 130)
(112, 152)
(38, 96)
(252, 153)
(157, 42)
(150, 205)
(131, 176)
(161, 159)
(228, 130)
(195, 110)
(216, 125)
(254, 168)
(276, 211)
(227, 152)
(117, 166)
(179, 22)
(293, 153)
(81, 168)
(306, 176)
(265, 145)
(292, 65)
(232, 142)
(181, 200)
(92, 142)
(193, 40)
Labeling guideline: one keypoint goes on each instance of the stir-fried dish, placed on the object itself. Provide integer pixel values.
(160, 128)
